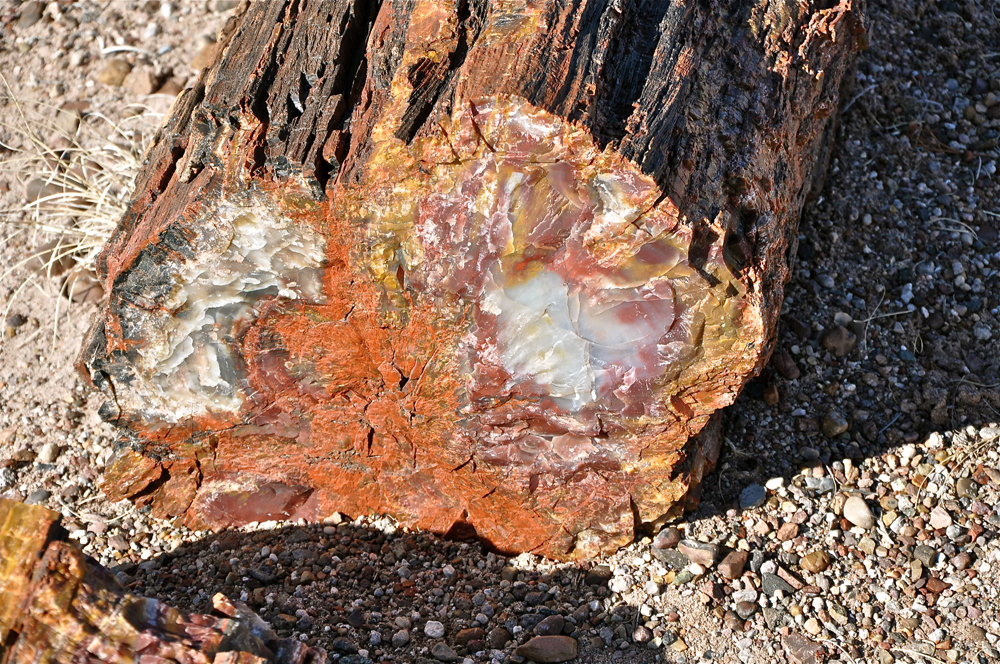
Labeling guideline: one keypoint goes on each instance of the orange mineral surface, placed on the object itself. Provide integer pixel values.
(483, 267)
(59, 605)
(495, 334)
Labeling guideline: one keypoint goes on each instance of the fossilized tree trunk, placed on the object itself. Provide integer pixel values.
(58, 605)
(487, 264)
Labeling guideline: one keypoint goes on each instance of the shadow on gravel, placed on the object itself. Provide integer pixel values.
(372, 590)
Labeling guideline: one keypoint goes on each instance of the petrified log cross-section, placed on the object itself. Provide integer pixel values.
(487, 264)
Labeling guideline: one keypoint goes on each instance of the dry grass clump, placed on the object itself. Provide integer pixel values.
(77, 169)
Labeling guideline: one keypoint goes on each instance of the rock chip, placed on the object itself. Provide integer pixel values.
(699, 552)
(551, 626)
(788, 531)
(545, 649)
(940, 518)
(772, 583)
(834, 423)
(443, 653)
(753, 496)
(400, 638)
(801, 649)
(672, 558)
(856, 511)
(732, 565)
(114, 72)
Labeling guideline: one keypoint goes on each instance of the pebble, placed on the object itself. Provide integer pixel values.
(745, 609)
(834, 423)
(815, 562)
(965, 487)
(753, 496)
(31, 13)
(114, 72)
(49, 453)
(700, 553)
(940, 518)
(400, 638)
(552, 625)
(434, 629)
(37, 497)
(546, 649)
(642, 634)
(498, 638)
(856, 511)
(732, 565)
(772, 583)
(839, 340)
(443, 653)
(667, 538)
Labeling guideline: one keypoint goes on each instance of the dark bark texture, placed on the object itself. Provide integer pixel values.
(483, 266)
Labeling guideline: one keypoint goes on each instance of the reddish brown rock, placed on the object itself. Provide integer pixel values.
(788, 531)
(493, 274)
(58, 605)
(732, 565)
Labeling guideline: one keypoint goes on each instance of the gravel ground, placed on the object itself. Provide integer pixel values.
(853, 516)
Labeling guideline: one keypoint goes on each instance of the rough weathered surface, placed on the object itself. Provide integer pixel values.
(487, 265)
(58, 605)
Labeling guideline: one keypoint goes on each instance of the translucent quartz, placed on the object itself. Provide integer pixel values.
(582, 301)
(246, 252)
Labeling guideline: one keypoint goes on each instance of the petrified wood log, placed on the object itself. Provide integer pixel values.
(59, 605)
(473, 264)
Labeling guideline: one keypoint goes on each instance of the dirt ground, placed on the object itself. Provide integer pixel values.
(886, 374)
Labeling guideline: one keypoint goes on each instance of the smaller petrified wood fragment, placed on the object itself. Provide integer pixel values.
(486, 265)
(57, 605)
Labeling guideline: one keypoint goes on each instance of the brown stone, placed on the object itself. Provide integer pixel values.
(470, 634)
(840, 341)
(171, 86)
(936, 585)
(814, 562)
(459, 266)
(800, 649)
(732, 565)
(114, 72)
(785, 365)
(545, 649)
(699, 552)
(787, 531)
(59, 605)
(142, 81)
